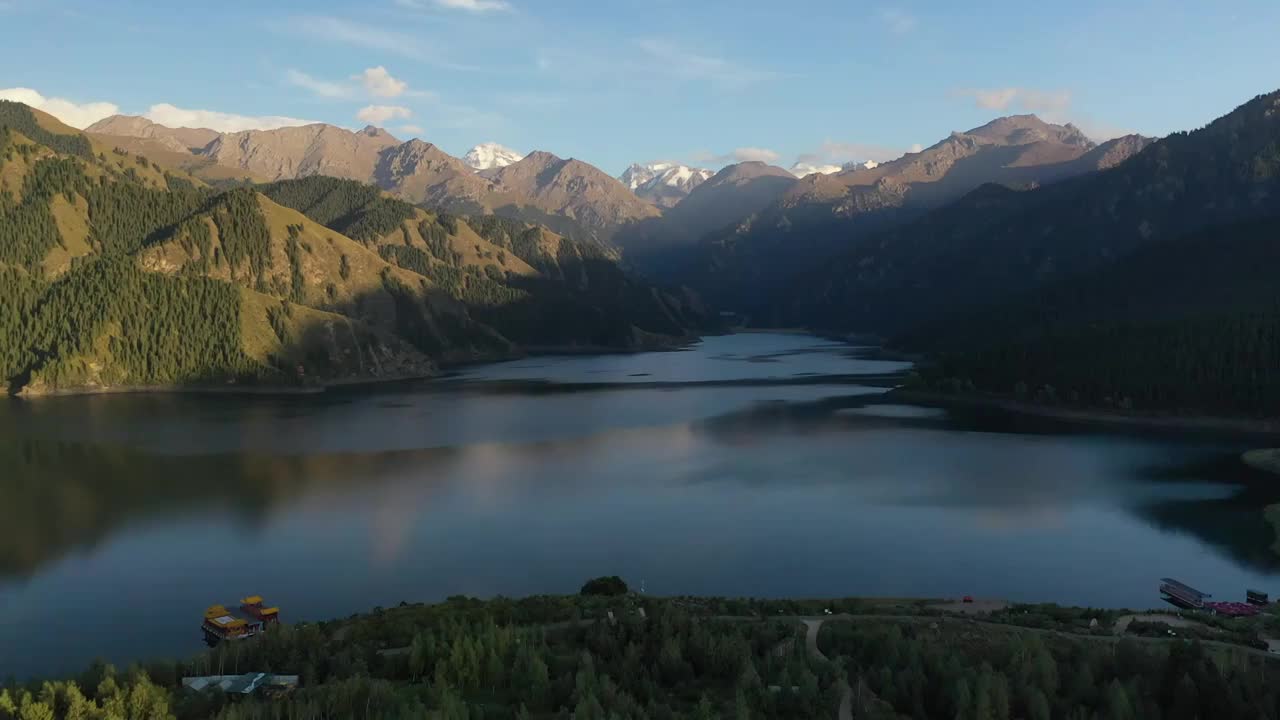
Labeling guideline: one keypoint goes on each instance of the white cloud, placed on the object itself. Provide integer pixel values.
(995, 99)
(171, 116)
(379, 114)
(379, 83)
(372, 82)
(330, 28)
(838, 153)
(1101, 131)
(77, 115)
(322, 88)
(1055, 106)
(916, 147)
(1049, 102)
(745, 154)
(478, 6)
(336, 30)
(737, 155)
(899, 22)
(682, 63)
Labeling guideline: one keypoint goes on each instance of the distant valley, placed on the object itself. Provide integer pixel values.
(926, 249)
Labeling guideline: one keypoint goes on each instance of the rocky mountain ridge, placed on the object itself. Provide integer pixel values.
(574, 197)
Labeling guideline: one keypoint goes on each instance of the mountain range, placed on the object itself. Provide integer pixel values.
(1125, 194)
(125, 273)
(662, 245)
(1146, 284)
(740, 265)
(572, 196)
(998, 251)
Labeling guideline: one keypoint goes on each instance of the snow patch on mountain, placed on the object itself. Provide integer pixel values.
(490, 155)
(666, 174)
(802, 169)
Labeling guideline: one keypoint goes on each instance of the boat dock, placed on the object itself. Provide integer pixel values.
(1182, 594)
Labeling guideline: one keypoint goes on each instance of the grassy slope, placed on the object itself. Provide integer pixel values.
(352, 348)
(345, 318)
(72, 219)
(14, 170)
(361, 294)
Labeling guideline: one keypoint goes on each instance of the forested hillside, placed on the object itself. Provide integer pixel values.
(1148, 287)
(1189, 325)
(747, 264)
(990, 245)
(120, 274)
(535, 287)
(644, 658)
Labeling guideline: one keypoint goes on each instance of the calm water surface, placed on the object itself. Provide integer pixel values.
(749, 465)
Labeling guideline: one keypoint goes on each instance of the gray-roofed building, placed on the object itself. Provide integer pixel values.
(245, 684)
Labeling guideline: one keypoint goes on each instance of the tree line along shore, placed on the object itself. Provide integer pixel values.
(621, 655)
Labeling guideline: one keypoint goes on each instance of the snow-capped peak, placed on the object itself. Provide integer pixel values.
(487, 156)
(674, 175)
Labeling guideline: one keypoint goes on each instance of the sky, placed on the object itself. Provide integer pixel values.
(612, 82)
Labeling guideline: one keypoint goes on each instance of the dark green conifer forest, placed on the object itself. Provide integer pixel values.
(674, 659)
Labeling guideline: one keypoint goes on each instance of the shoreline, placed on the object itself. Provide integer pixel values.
(555, 613)
(1090, 416)
(354, 383)
(244, 390)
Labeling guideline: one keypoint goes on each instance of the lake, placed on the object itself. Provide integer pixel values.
(752, 464)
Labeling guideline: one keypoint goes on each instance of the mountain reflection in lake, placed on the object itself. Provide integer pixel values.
(748, 465)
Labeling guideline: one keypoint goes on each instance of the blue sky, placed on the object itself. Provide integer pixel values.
(620, 81)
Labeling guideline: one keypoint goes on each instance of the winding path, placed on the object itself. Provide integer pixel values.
(812, 626)
(846, 705)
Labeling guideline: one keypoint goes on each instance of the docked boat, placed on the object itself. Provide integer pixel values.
(250, 619)
(1182, 595)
